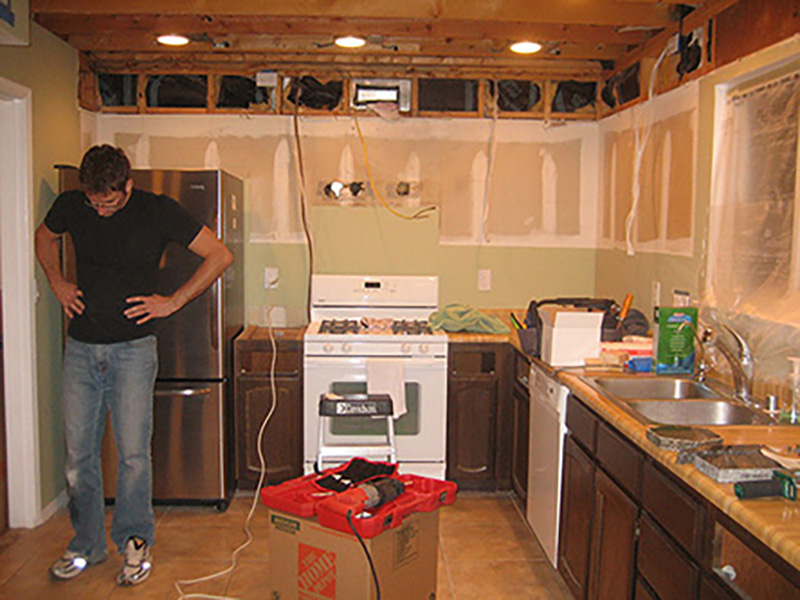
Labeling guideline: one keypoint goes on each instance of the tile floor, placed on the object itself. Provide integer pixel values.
(486, 552)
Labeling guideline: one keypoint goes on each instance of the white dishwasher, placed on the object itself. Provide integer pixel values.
(548, 411)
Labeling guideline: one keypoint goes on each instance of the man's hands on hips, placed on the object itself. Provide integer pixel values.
(146, 308)
(70, 298)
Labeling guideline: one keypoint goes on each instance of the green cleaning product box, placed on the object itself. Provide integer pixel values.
(675, 340)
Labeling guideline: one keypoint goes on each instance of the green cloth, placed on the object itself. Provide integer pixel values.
(461, 317)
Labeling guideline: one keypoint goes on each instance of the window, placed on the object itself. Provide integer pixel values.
(754, 254)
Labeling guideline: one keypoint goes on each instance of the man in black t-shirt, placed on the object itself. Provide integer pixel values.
(110, 361)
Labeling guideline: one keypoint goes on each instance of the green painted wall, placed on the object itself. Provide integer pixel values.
(618, 273)
(372, 241)
(49, 68)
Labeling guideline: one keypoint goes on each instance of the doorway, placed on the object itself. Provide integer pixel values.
(18, 306)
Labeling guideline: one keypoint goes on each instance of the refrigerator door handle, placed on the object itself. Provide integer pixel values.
(215, 312)
(184, 392)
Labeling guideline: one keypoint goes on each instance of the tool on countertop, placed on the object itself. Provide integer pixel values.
(515, 322)
(783, 483)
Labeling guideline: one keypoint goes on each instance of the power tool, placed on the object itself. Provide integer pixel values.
(370, 494)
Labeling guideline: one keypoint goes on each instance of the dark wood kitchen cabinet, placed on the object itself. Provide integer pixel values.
(631, 529)
(282, 440)
(597, 533)
(478, 420)
(577, 506)
(521, 410)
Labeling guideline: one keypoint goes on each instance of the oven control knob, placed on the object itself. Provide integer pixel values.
(423, 348)
(328, 348)
(346, 347)
(405, 348)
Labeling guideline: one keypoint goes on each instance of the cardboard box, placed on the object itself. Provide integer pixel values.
(308, 561)
(570, 335)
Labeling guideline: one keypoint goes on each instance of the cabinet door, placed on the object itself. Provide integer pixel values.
(519, 466)
(577, 500)
(612, 559)
(282, 440)
(472, 409)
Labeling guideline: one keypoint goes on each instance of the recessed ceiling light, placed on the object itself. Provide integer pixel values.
(525, 47)
(350, 41)
(172, 39)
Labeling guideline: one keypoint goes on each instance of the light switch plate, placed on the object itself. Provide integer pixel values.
(484, 280)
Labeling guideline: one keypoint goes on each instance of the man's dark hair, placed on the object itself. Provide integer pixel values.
(104, 169)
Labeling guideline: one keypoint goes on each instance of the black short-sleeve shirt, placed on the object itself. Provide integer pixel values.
(118, 257)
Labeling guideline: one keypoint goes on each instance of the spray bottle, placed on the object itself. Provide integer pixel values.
(791, 416)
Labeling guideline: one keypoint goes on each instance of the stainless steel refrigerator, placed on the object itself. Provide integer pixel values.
(193, 405)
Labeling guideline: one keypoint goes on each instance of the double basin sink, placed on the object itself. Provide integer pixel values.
(675, 401)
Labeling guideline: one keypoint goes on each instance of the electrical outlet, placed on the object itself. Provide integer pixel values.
(484, 280)
(271, 278)
(656, 293)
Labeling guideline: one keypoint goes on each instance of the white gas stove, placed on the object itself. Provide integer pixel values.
(363, 328)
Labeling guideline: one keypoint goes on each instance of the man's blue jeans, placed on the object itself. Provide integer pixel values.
(118, 378)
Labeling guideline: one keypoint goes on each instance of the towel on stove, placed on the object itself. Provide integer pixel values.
(387, 376)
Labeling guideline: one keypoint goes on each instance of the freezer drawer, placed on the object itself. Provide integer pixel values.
(189, 457)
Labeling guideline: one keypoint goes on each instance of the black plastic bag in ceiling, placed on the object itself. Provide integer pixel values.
(315, 94)
(573, 95)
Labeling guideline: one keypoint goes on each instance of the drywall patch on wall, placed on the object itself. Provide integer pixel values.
(531, 163)
(665, 131)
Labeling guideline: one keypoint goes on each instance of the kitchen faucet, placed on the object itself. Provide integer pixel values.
(741, 364)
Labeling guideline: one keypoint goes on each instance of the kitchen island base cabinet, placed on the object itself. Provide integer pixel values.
(282, 439)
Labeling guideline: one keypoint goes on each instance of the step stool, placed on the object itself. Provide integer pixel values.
(356, 405)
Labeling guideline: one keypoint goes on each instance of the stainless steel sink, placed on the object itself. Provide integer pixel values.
(697, 412)
(670, 388)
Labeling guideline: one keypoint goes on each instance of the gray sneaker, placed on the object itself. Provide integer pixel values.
(71, 564)
(137, 563)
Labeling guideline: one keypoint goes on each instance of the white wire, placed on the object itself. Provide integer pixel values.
(641, 137)
(263, 470)
(489, 166)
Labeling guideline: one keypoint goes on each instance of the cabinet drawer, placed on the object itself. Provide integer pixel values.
(674, 509)
(671, 575)
(582, 424)
(259, 362)
(620, 459)
(746, 571)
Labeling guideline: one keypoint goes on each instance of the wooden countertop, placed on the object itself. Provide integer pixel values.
(774, 521)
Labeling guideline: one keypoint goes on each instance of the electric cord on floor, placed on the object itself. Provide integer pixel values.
(420, 214)
(367, 554)
(262, 475)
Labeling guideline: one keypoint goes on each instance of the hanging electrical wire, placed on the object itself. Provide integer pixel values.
(489, 165)
(261, 477)
(641, 137)
(420, 214)
(301, 176)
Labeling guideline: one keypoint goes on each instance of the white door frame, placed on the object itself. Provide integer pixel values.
(19, 303)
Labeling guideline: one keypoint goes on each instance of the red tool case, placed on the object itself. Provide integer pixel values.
(303, 497)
